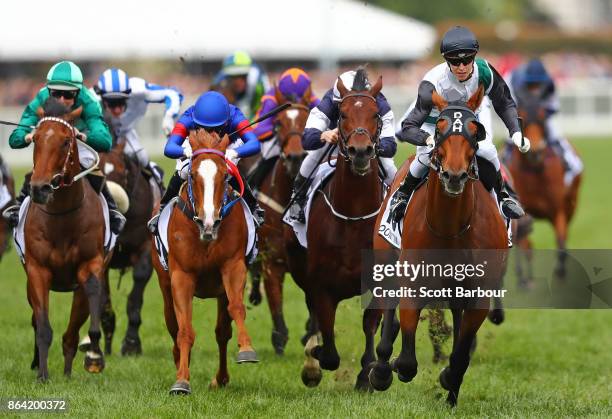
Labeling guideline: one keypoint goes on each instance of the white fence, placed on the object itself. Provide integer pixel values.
(586, 110)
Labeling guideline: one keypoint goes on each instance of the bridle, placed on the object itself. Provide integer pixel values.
(60, 179)
(291, 133)
(344, 138)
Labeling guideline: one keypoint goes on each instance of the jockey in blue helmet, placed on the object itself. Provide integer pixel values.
(212, 113)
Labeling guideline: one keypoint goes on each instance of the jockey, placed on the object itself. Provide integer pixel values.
(533, 79)
(321, 130)
(457, 80)
(125, 101)
(293, 84)
(246, 81)
(65, 84)
(212, 113)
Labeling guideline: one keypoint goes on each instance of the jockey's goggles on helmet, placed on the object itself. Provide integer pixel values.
(118, 102)
(66, 94)
(220, 129)
(456, 61)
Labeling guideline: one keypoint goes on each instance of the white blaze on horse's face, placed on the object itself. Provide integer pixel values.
(292, 114)
(207, 171)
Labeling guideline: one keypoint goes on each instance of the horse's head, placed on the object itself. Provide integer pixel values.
(56, 158)
(457, 136)
(289, 128)
(207, 180)
(359, 124)
(532, 112)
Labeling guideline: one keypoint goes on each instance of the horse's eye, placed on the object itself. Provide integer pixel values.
(66, 142)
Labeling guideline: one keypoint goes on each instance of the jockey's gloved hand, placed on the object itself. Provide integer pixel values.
(29, 137)
(167, 124)
(430, 142)
(517, 139)
(330, 136)
(187, 152)
(80, 135)
(232, 155)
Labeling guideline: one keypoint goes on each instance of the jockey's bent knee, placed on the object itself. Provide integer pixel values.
(311, 161)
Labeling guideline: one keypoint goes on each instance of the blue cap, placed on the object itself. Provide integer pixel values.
(211, 110)
(535, 72)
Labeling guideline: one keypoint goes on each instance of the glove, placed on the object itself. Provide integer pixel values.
(232, 155)
(430, 142)
(29, 137)
(187, 152)
(80, 135)
(330, 136)
(517, 139)
(167, 124)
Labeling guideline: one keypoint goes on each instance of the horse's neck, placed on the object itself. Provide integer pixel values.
(354, 195)
(67, 198)
(446, 215)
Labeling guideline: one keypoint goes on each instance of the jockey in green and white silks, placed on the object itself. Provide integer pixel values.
(65, 84)
(458, 79)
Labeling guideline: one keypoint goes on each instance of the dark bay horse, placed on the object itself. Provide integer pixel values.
(133, 247)
(539, 178)
(340, 225)
(64, 236)
(206, 259)
(452, 210)
(6, 180)
(274, 194)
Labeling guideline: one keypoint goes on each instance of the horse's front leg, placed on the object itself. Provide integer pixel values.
(273, 273)
(39, 283)
(78, 315)
(325, 308)
(451, 377)
(223, 333)
(370, 322)
(234, 273)
(141, 274)
(406, 363)
(183, 288)
(560, 225)
(381, 374)
(89, 276)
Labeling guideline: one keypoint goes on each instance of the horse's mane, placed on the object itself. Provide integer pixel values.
(206, 139)
(360, 83)
(52, 107)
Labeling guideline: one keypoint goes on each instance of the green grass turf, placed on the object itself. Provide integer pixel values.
(539, 363)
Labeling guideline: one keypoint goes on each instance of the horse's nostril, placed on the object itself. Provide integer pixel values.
(463, 176)
(352, 150)
(370, 150)
(445, 175)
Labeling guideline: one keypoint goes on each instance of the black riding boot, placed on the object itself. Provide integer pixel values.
(259, 173)
(400, 198)
(157, 173)
(174, 186)
(299, 198)
(11, 213)
(116, 219)
(250, 199)
(507, 198)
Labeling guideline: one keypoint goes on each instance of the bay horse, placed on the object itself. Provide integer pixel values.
(64, 237)
(133, 246)
(6, 180)
(340, 225)
(452, 210)
(274, 194)
(206, 259)
(539, 178)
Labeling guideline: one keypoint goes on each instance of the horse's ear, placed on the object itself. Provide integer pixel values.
(438, 101)
(40, 112)
(280, 98)
(307, 96)
(74, 115)
(375, 90)
(225, 141)
(341, 88)
(474, 102)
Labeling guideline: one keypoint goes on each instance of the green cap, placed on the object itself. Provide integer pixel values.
(237, 64)
(65, 75)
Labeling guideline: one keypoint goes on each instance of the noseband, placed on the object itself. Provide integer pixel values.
(344, 138)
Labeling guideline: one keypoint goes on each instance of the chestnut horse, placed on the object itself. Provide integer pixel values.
(452, 211)
(274, 194)
(539, 178)
(206, 259)
(133, 247)
(6, 180)
(340, 225)
(64, 237)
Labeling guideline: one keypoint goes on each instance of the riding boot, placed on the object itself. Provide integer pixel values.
(174, 186)
(11, 213)
(251, 200)
(507, 199)
(116, 219)
(259, 173)
(152, 170)
(400, 198)
(299, 198)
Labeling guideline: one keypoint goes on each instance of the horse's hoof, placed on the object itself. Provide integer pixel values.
(402, 376)
(34, 364)
(93, 362)
(363, 384)
(279, 341)
(255, 297)
(497, 316)
(381, 376)
(85, 344)
(180, 388)
(216, 384)
(131, 346)
(246, 356)
(304, 338)
(311, 375)
(445, 378)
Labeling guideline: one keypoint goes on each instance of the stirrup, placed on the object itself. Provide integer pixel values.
(116, 221)
(11, 215)
(511, 208)
(152, 223)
